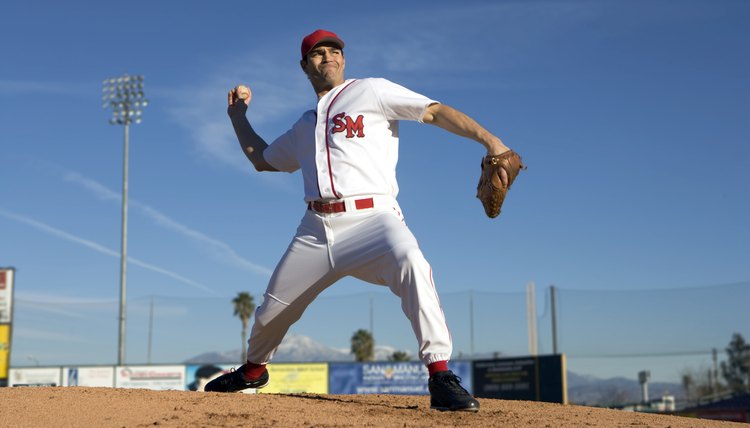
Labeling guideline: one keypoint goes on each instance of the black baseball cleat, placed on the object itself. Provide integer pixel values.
(446, 393)
(234, 381)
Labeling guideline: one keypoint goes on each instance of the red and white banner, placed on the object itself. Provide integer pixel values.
(6, 295)
(150, 377)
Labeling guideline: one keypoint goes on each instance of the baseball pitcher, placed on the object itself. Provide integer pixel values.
(346, 148)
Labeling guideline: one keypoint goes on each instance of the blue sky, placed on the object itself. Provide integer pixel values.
(632, 117)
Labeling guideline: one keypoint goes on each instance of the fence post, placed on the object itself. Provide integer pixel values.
(553, 307)
(531, 317)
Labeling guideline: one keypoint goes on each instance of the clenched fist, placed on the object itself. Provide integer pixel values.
(240, 92)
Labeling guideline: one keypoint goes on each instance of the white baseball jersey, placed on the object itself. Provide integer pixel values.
(355, 127)
(347, 150)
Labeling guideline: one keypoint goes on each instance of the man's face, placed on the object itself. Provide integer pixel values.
(325, 65)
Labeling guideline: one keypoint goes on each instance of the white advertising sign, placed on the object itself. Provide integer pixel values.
(37, 376)
(6, 295)
(88, 376)
(150, 377)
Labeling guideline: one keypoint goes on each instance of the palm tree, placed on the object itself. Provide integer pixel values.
(244, 306)
(399, 356)
(363, 345)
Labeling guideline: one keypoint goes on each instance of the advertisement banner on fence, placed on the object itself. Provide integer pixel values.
(198, 375)
(4, 352)
(286, 378)
(6, 295)
(88, 376)
(150, 377)
(37, 376)
(297, 378)
(532, 378)
(405, 378)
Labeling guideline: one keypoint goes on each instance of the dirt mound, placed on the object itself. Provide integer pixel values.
(109, 407)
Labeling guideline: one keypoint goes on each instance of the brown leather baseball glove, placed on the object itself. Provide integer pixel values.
(498, 173)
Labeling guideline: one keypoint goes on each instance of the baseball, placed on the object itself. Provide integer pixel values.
(243, 92)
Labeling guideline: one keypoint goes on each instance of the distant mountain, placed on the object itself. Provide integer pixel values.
(294, 348)
(582, 389)
(594, 391)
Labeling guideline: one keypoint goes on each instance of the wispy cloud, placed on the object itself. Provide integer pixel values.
(93, 308)
(165, 310)
(60, 305)
(458, 56)
(220, 250)
(99, 190)
(476, 45)
(47, 336)
(279, 98)
(101, 249)
(47, 298)
(39, 87)
(281, 92)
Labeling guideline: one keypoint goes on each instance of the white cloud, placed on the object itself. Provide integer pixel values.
(64, 300)
(456, 56)
(99, 190)
(45, 305)
(37, 87)
(220, 250)
(46, 336)
(280, 95)
(101, 249)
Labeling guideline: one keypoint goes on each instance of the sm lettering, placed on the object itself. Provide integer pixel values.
(342, 122)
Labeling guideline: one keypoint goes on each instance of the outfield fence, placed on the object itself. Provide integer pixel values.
(603, 333)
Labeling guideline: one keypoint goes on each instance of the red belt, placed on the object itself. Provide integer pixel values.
(339, 207)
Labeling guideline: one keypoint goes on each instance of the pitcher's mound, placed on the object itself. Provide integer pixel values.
(110, 407)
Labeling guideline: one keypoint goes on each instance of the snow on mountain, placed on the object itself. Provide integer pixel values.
(294, 348)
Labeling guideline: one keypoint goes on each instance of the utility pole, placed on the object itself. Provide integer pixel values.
(531, 317)
(553, 308)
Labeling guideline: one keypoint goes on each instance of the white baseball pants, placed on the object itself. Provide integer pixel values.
(372, 244)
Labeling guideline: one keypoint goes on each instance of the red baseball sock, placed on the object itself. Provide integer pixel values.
(437, 366)
(252, 371)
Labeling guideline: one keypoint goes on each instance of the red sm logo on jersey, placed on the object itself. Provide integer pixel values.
(342, 122)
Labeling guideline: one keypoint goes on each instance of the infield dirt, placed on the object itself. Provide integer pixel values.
(109, 407)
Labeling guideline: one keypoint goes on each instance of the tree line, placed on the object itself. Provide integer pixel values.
(730, 377)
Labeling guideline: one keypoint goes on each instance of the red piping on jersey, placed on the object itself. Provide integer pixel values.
(328, 147)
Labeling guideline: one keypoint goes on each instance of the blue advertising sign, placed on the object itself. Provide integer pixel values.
(404, 378)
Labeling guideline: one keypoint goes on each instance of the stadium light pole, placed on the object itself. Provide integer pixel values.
(126, 98)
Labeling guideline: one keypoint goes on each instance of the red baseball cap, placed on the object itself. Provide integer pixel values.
(317, 37)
